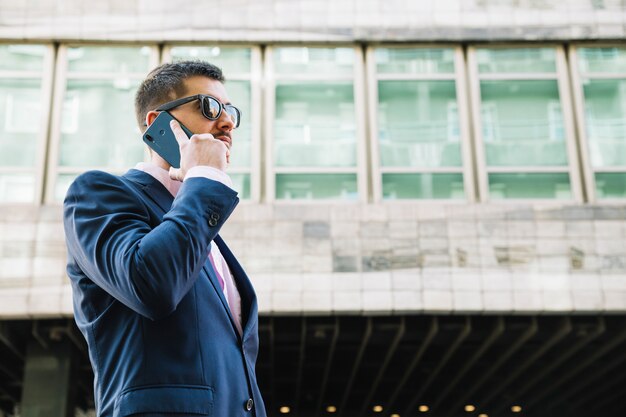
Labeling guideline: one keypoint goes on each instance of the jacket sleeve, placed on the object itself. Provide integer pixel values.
(148, 269)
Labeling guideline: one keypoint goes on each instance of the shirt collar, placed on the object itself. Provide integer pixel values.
(161, 175)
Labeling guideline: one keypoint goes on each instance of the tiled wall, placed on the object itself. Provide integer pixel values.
(373, 258)
(312, 20)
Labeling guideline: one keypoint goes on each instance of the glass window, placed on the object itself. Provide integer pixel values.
(418, 124)
(240, 95)
(522, 129)
(22, 104)
(230, 60)
(533, 185)
(316, 186)
(117, 59)
(241, 183)
(603, 78)
(335, 61)
(314, 124)
(523, 123)
(62, 185)
(600, 60)
(20, 110)
(424, 186)
(98, 128)
(414, 61)
(519, 60)
(605, 113)
(17, 188)
(611, 184)
(236, 64)
(22, 57)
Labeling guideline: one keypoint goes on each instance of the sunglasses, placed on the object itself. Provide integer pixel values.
(210, 106)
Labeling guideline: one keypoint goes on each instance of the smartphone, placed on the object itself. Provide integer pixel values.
(161, 139)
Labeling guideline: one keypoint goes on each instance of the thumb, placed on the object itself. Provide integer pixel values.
(176, 174)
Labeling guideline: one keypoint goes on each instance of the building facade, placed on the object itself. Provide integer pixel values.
(403, 160)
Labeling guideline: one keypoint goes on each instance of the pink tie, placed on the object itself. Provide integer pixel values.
(219, 277)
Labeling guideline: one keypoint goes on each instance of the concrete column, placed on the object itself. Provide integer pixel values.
(47, 390)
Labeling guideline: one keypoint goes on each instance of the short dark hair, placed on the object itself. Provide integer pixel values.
(166, 83)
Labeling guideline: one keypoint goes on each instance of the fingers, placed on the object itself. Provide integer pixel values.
(179, 133)
(176, 174)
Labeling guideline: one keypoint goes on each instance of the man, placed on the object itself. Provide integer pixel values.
(168, 313)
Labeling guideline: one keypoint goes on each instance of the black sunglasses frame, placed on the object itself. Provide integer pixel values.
(184, 100)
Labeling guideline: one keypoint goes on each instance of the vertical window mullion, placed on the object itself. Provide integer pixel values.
(45, 123)
(55, 133)
(567, 110)
(360, 124)
(372, 79)
(270, 94)
(476, 105)
(583, 144)
(462, 97)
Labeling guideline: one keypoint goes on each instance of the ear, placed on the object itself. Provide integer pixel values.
(150, 116)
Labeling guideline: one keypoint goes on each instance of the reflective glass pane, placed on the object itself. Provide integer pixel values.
(605, 114)
(20, 116)
(22, 57)
(240, 96)
(316, 186)
(230, 60)
(98, 126)
(522, 123)
(518, 60)
(315, 125)
(336, 61)
(17, 188)
(610, 184)
(241, 184)
(522, 185)
(62, 184)
(602, 59)
(415, 61)
(418, 124)
(109, 59)
(423, 186)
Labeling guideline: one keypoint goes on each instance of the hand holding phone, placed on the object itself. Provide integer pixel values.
(199, 150)
(160, 137)
(182, 149)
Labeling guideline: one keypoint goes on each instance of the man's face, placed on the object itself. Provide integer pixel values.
(191, 116)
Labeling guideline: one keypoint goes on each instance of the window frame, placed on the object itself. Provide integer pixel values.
(254, 76)
(61, 79)
(561, 76)
(357, 78)
(577, 77)
(459, 77)
(46, 76)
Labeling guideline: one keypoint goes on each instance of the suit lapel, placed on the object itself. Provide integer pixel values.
(244, 286)
(208, 269)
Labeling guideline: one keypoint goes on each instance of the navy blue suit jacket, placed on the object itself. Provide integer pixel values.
(161, 338)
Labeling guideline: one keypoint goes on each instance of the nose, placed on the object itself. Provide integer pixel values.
(225, 122)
